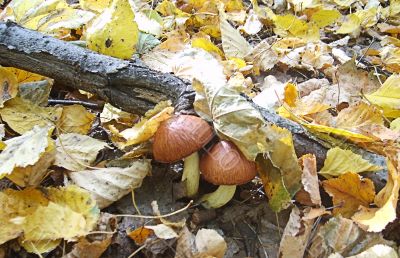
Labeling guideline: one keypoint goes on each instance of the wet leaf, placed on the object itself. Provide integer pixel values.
(8, 85)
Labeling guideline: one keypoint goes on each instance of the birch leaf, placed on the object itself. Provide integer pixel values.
(114, 32)
(75, 119)
(76, 151)
(108, 185)
(23, 152)
(233, 44)
(339, 161)
(22, 115)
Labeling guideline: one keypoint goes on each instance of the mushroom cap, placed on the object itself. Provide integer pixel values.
(224, 164)
(180, 136)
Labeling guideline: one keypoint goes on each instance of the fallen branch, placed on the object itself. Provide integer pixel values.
(130, 85)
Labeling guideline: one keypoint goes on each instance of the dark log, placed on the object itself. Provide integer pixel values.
(129, 85)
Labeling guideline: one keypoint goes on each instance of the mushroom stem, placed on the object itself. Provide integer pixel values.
(191, 174)
(219, 197)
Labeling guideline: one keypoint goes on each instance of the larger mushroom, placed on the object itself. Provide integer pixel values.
(224, 164)
(179, 137)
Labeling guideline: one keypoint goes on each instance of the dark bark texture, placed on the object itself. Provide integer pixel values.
(130, 85)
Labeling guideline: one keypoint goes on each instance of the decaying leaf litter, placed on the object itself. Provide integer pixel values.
(330, 66)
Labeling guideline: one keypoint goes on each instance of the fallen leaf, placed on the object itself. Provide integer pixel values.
(111, 113)
(146, 128)
(349, 192)
(378, 251)
(114, 32)
(343, 236)
(295, 236)
(263, 57)
(67, 213)
(76, 151)
(376, 219)
(75, 119)
(36, 92)
(309, 179)
(140, 235)
(8, 85)
(22, 115)
(86, 249)
(388, 96)
(163, 231)
(358, 115)
(26, 158)
(339, 161)
(252, 25)
(233, 44)
(108, 185)
(209, 242)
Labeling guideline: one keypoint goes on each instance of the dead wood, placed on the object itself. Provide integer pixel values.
(130, 85)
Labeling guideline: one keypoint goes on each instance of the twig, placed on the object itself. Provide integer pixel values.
(156, 217)
(75, 102)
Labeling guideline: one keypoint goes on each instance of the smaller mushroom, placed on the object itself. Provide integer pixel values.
(224, 164)
(179, 137)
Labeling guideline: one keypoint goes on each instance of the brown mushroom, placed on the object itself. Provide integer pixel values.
(224, 164)
(179, 137)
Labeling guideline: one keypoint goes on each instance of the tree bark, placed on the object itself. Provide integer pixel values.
(130, 85)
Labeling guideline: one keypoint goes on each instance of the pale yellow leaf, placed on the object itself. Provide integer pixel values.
(75, 119)
(210, 243)
(108, 185)
(76, 151)
(376, 219)
(143, 130)
(388, 96)
(339, 161)
(94, 5)
(324, 18)
(22, 115)
(163, 231)
(219, 197)
(114, 32)
(25, 150)
(233, 43)
(39, 247)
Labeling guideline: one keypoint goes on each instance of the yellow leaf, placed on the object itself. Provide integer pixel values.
(233, 43)
(358, 115)
(339, 161)
(349, 191)
(65, 18)
(207, 45)
(388, 96)
(108, 185)
(75, 119)
(94, 5)
(22, 115)
(219, 197)
(23, 11)
(324, 18)
(395, 125)
(355, 137)
(290, 25)
(114, 32)
(143, 130)
(76, 151)
(352, 24)
(25, 151)
(8, 85)
(111, 114)
(376, 219)
(46, 216)
(290, 94)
